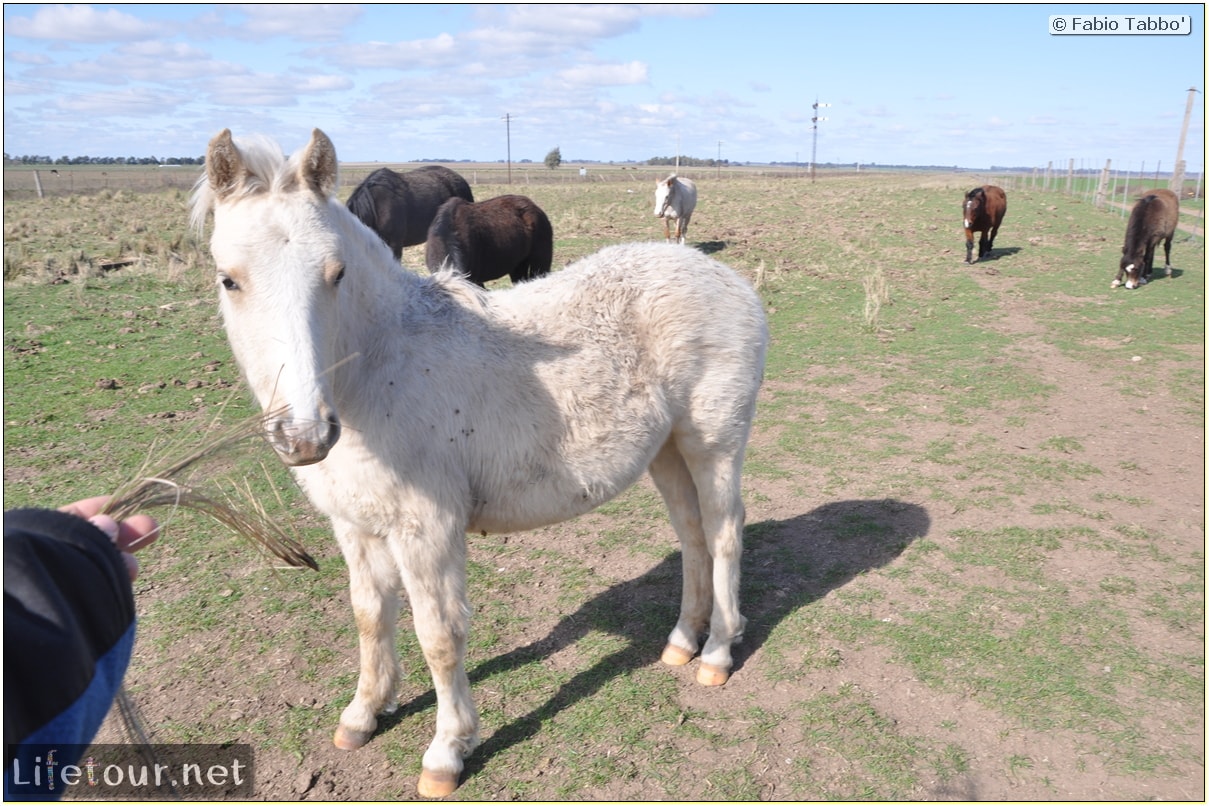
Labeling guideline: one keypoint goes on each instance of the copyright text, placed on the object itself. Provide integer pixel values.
(1120, 24)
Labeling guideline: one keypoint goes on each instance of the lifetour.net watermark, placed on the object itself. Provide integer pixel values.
(1127, 24)
(131, 772)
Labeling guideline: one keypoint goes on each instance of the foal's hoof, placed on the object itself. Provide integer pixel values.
(710, 675)
(436, 784)
(675, 656)
(347, 739)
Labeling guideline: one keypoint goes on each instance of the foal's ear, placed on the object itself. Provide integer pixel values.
(224, 166)
(319, 169)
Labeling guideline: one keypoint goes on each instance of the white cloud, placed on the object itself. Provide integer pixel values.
(25, 57)
(77, 23)
(306, 22)
(134, 102)
(321, 83)
(439, 51)
(604, 75)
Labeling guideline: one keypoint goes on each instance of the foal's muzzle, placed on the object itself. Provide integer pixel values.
(303, 443)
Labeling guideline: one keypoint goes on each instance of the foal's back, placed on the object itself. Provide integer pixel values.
(609, 358)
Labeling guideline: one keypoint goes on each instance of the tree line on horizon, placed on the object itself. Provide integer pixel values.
(37, 159)
(553, 160)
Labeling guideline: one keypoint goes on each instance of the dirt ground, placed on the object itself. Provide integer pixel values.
(1167, 451)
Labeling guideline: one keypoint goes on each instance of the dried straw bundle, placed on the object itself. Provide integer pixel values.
(169, 483)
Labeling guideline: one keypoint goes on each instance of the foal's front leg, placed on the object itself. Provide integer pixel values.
(433, 564)
(374, 589)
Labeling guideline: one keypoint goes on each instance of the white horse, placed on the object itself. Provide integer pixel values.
(415, 409)
(675, 198)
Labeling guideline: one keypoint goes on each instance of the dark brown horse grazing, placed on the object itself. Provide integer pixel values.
(1153, 219)
(505, 235)
(983, 211)
(400, 206)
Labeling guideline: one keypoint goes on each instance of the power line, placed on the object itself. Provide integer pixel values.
(508, 128)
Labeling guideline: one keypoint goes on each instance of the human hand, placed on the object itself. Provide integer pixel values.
(129, 535)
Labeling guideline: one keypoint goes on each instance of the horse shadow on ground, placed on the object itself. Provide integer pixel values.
(999, 252)
(787, 565)
(710, 247)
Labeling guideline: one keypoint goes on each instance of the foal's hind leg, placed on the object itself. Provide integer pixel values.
(374, 589)
(675, 484)
(1167, 254)
(711, 577)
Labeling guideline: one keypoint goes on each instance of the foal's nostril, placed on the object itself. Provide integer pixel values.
(303, 443)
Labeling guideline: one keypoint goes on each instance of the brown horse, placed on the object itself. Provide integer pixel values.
(400, 206)
(983, 211)
(484, 241)
(1153, 219)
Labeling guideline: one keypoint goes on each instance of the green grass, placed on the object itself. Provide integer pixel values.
(916, 520)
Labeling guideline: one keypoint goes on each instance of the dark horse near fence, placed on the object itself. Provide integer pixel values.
(983, 211)
(400, 206)
(1153, 219)
(505, 235)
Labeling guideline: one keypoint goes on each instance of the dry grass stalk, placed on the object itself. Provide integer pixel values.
(169, 482)
(877, 292)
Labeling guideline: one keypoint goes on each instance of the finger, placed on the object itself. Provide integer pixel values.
(132, 565)
(86, 507)
(107, 525)
(137, 532)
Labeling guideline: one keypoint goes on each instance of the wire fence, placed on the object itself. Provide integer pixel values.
(22, 181)
(1113, 188)
(1103, 187)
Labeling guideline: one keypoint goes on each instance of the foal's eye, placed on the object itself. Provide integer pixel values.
(338, 278)
(228, 283)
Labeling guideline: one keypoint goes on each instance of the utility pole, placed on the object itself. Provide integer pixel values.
(814, 148)
(1177, 177)
(508, 129)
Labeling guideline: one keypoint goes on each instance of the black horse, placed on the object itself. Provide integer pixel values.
(505, 235)
(1153, 219)
(400, 206)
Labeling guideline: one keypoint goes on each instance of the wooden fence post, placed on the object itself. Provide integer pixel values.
(38, 184)
(1103, 183)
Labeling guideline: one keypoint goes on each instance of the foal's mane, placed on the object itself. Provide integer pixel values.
(266, 170)
(1137, 228)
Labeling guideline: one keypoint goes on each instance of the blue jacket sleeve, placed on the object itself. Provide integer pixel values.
(68, 628)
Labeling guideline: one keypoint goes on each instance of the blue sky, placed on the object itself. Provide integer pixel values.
(967, 85)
